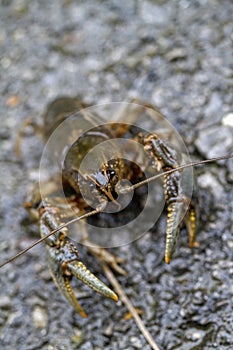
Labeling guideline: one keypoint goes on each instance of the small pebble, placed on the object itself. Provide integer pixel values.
(5, 302)
(228, 119)
(77, 337)
(214, 141)
(40, 317)
(136, 342)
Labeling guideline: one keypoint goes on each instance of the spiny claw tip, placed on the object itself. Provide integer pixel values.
(82, 313)
(115, 297)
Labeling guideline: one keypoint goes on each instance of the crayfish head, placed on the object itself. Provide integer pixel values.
(106, 178)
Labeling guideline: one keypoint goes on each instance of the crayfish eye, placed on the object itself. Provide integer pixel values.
(111, 173)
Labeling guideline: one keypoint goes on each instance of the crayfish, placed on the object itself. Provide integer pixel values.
(102, 167)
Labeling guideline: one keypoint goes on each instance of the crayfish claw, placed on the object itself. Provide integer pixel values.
(174, 215)
(63, 284)
(79, 270)
(64, 263)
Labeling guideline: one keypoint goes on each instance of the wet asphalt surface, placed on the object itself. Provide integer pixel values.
(175, 54)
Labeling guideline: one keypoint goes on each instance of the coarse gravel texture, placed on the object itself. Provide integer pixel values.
(175, 54)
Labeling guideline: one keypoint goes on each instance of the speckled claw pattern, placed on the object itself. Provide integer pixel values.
(165, 157)
(64, 262)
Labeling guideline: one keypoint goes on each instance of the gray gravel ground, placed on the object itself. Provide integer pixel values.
(175, 54)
